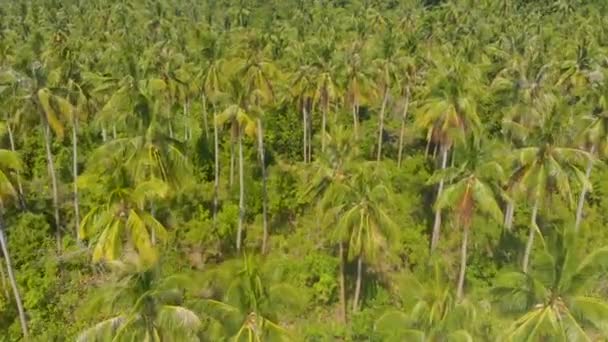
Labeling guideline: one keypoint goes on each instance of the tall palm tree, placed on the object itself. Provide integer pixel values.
(471, 189)
(557, 300)
(243, 124)
(9, 163)
(328, 189)
(449, 115)
(545, 165)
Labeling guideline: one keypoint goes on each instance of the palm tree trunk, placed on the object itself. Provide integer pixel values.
(463, 262)
(232, 158)
(104, 134)
(51, 169)
(216, 181)
(170, 130)
(324, 123)
(355, 119)
(402, 132)
(530, 242)
(342, 284)
(305, 131)
(114, 134)
(11, 139)
(75, 175)
(13, 281)
(509, 212)
(3, 281)
(239, 233)
(205, 123)
(381, 125)
(264, 189)
(581, 199)
(358, 284)
(309, 144)
(437, 223)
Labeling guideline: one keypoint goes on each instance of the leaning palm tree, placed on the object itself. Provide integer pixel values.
(557, 300)
(471, 190)
(145, 307)
(9, 163)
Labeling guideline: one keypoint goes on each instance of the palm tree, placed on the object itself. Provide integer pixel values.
(557, 299)
(596, 137)
(357, 82)
(251, 295)
(328, 189)
(388, 65)
(122, 212)
(242, 123)
(9, 163)
(145, 306)
(430, 312)
(545, 165)
(471, 190)
(449, 115)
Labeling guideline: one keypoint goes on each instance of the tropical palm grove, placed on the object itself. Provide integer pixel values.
(304, 170)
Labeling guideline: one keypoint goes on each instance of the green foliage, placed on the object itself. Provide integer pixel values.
(141, 139)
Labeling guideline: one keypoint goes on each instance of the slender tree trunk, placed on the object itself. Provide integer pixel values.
(463, 262)
(216, 181)
(355, 119)
(264, 189)
(75, 176)
(104, 134)
(531, 234)
(114, 134)
(170, 130)
(3, 281)
(581, 199)
(232, 158)
(509, 212)
(381, 125)
(324, 122)
(358, 284)
(239, 233)
(52, 174)
(11, 139)
(205, 123)
(13, 281)
(402, 132)
(310, 133)
(437, 223)
(342, 284)
(305, 131)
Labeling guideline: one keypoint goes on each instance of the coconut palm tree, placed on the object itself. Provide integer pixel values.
(545, 166)
(145, 307)
(122, 213)
(9, 163)
(556, 300)
(471, 190)
(328, 189)
(449, 114)
(249, 301)
(431, 312)
(242, 123)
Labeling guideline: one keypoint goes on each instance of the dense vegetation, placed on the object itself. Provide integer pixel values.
(285, 170)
